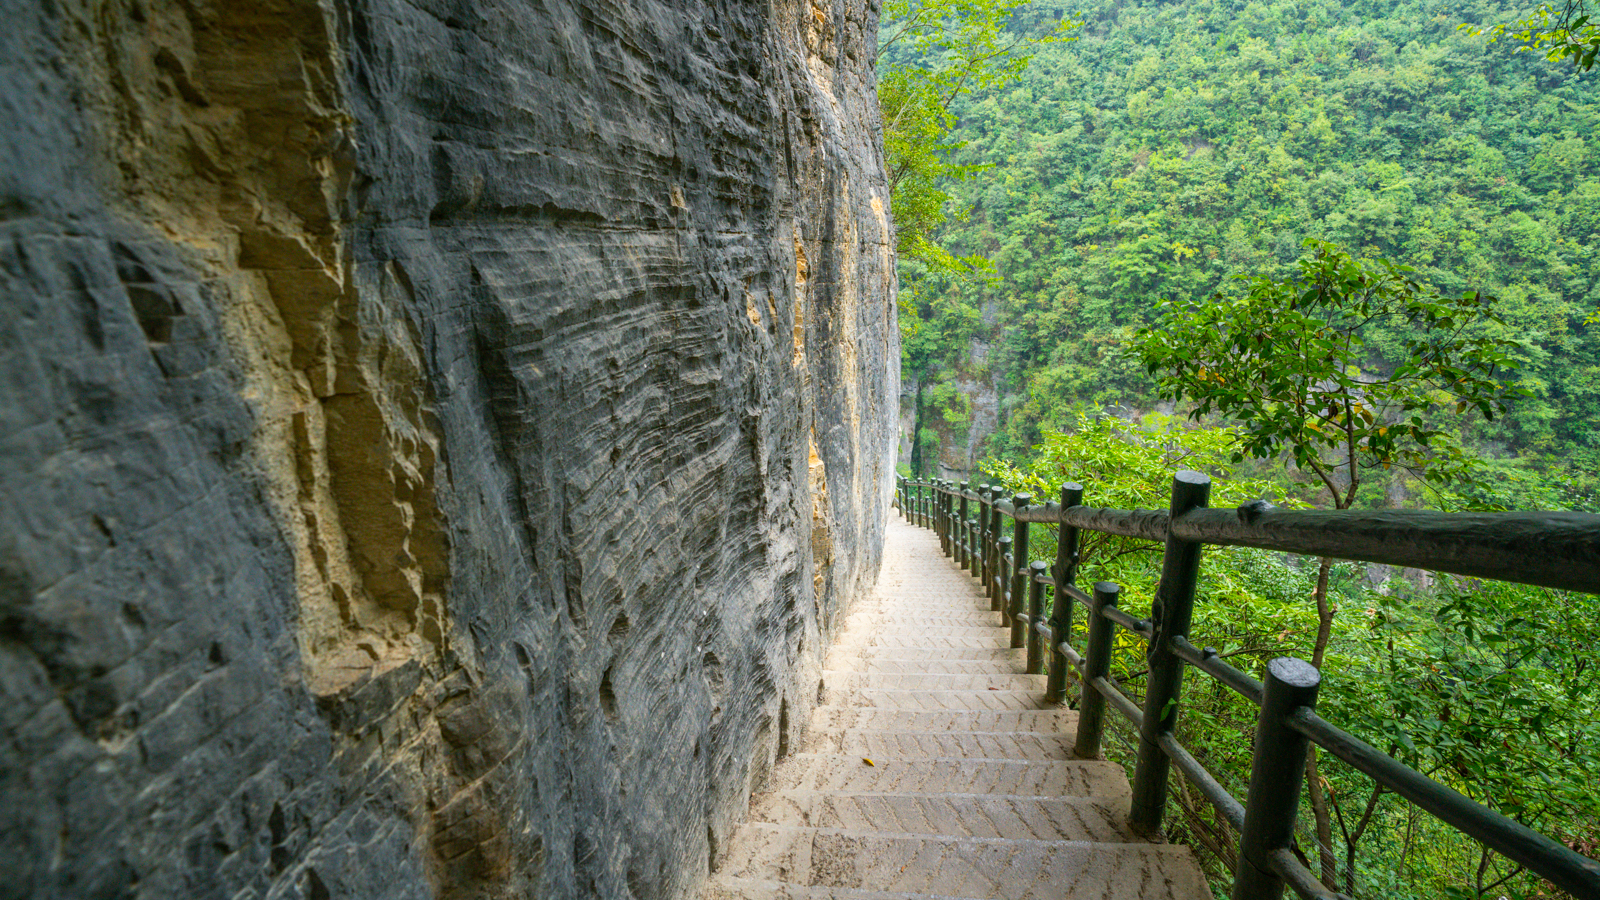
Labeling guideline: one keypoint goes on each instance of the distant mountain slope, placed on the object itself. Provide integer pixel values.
(1177, 144)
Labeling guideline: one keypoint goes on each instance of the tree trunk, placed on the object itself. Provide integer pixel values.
(1320, 810)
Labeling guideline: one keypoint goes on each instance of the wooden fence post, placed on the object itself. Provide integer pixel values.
(1096, 664)
(961, 528)
(1170, 615)
(1277, 770)
(1064, 573)
(986, 519)
(1036, 650)
(1018, 574)
(1001, 577)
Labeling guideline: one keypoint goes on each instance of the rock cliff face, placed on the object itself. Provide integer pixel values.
(438, 436)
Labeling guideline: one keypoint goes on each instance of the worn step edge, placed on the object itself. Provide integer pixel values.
(843, 679)
(1096, 818)
(1017, 868)
(891, 744)
(960, 775)
(730, 887)
(1014, 664)
(937, 653)
(1047, 720)
(935, 700)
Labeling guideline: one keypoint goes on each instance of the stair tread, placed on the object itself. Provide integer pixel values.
(1096, 819)
(724, 887)
(918, 744)
(959, 700)
(910, 651)
(933, 681)
(962, 775)
(1045, 719)
(999, 665)
(964, 866)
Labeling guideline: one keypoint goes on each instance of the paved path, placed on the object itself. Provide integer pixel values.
(971, 790)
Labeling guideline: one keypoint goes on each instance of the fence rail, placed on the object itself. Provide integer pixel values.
(1559, 550)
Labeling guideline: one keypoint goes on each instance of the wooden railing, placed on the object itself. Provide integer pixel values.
(1560, 550)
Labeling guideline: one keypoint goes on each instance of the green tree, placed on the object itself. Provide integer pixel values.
(1559, 33)
(1288, 360)
(930, 53)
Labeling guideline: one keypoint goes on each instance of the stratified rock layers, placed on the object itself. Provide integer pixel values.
(437, 435)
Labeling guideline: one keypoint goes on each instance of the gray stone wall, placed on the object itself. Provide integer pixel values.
(437, 436)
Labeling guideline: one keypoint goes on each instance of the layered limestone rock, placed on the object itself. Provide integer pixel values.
(438, 436)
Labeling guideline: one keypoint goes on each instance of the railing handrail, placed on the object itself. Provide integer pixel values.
(1549, 549)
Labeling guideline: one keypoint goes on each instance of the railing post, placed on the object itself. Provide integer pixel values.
(944, 516)
(986, 514)
(1170, 614)
(1065, 573)
(899, 490)
(961, 528)
(974, 553)
(1000, 578)
(1018, 574)
(1096, 664)
(1277, 770)
(1036, 569)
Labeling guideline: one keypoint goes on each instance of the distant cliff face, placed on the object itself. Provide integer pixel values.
(438, 436)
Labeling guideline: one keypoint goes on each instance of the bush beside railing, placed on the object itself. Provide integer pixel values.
(1559, 550)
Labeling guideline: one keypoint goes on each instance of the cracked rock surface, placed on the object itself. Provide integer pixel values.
(438, 437)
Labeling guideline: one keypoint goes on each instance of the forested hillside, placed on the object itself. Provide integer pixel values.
(1175, 145)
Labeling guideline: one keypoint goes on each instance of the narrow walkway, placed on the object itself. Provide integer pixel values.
(933, 769)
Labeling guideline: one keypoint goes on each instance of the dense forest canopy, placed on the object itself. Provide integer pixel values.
(1177, 145)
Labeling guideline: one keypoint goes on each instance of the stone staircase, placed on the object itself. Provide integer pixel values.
(933, 769)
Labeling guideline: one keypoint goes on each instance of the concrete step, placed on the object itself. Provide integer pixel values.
(903, 617)
(1053, 720)
(943, 654)
(877, 745)
(942, 639)
(722, 887)
(949, 588)
(833, 858)
(953, 592)
(910, 627)
(932, 681)
(996, 665)
(991, 699)
(1023, 778)
(1100, 818)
